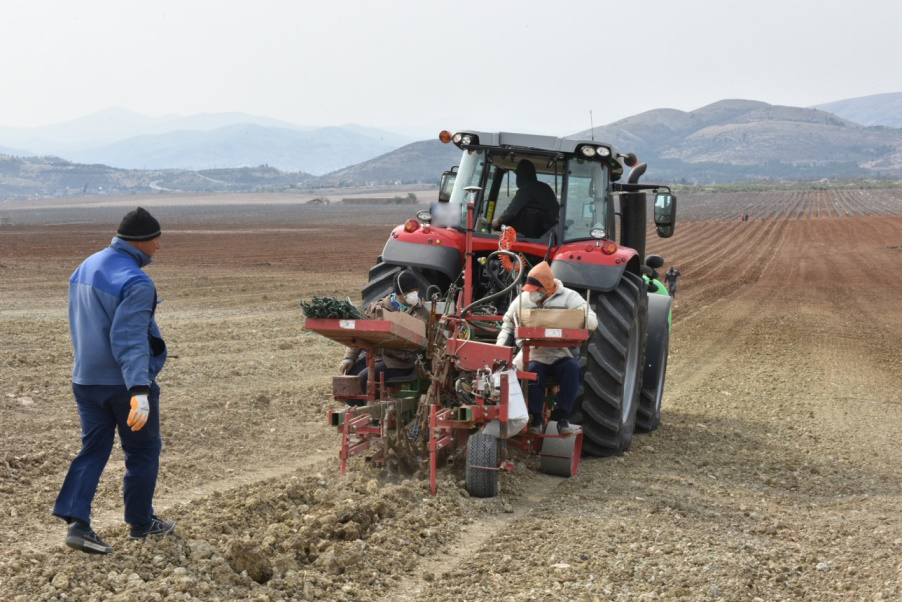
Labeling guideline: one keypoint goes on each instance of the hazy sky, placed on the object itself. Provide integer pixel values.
(493, 65)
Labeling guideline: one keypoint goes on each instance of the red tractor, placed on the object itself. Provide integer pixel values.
(471, 274)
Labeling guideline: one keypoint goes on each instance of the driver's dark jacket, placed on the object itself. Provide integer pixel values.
(539, 197)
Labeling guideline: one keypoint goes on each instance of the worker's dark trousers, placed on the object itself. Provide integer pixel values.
(103, 409)
(360, 370)
(566, 372)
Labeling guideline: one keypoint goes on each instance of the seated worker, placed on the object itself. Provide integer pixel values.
(534, 209)
(542, 290)
(393, 362)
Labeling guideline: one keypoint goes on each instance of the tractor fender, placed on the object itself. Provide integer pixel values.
(654, 372)
(656, 287)
(581, 276)
(446, 260)
(658, 315)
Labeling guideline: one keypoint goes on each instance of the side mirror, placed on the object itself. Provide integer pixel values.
(665, 213)
(654, 261)
(447, 185)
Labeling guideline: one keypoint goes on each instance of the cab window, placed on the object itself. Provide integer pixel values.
(469, 173)
(587, 187)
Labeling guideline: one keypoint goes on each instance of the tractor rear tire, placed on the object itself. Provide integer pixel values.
(482, 451)
(381, 281)
(614, 356)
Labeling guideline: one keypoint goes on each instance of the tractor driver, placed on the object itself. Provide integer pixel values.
(534, 209)
(393, 362)
(542, 290)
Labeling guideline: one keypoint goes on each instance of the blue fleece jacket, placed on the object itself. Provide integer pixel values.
(111, 319)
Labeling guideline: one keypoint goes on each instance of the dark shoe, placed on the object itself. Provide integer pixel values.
(536, 426)
(157, 526)
(81, 537)
(565, 428)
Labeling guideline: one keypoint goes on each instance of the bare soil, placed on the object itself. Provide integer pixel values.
(776, 473)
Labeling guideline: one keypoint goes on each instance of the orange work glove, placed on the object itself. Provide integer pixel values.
(137, 418)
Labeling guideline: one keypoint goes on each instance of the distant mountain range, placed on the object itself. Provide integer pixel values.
(43, 177)
(727, 141)
(418, 162)
(730, 140)
(878, 109)
(121, 138)
(317, 151)
(742, 139)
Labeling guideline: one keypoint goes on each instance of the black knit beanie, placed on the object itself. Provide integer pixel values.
(406, 282)
(138, 225)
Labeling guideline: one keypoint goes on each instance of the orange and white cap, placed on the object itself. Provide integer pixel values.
(540, 277)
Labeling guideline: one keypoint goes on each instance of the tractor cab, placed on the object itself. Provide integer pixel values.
(578, 172)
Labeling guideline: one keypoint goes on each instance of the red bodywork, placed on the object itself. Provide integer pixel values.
(585, 251)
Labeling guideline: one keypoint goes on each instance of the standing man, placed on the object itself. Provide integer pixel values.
(670, 279)
(118, 353)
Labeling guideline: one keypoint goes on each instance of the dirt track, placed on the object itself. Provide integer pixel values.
(776, 473)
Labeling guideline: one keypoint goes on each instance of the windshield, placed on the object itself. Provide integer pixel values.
(453, 214)
(502, 185)
(469, 174)
(587, 193)
(586, 188)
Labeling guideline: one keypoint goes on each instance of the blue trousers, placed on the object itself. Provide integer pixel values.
(360, 370)
(566, 372)
(103, 409)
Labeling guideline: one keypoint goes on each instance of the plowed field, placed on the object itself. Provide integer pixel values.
(776, 473)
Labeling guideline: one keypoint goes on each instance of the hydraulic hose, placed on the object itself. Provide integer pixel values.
(508, 289)
(429, 289)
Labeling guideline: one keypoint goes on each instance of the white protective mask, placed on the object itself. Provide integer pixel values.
(412, 297)
(535, 296)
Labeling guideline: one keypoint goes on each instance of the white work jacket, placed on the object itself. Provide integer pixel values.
(563, 298)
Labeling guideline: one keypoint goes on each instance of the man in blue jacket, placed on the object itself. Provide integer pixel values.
(118, 353)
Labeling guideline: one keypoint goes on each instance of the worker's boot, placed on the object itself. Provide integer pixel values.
(565, 428)
(156, 527)
(81, 536)
(535, 424)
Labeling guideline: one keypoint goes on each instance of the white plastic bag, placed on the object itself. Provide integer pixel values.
(517, 415)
